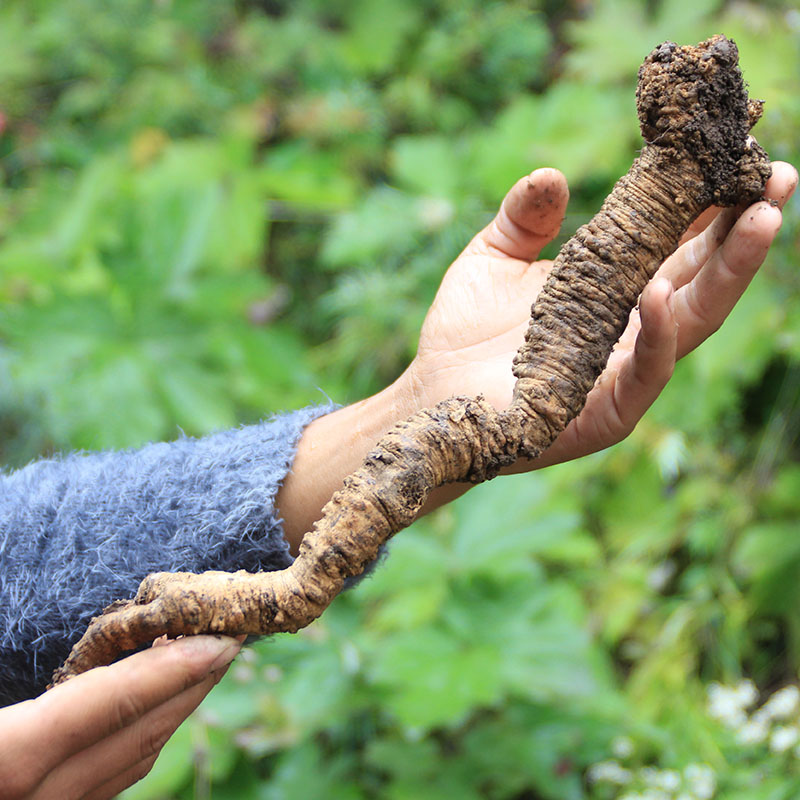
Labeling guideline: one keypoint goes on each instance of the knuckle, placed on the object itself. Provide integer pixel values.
(616, 430)
(152, 739)
(142, 770)
(714, 327)
(127, 710)
(694, 304)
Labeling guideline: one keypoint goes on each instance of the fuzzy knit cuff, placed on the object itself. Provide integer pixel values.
(79, 531)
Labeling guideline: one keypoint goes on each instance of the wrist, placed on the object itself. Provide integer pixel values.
(334, 446)
(375, 415)
(414, 389)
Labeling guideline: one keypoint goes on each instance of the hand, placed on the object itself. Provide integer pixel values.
(481, 311)
(100, 732)
(478, 320)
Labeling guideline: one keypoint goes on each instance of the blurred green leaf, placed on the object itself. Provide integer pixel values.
(426, 164)
(312, 179)
(304, 773)
(387, 220)
(170, 771)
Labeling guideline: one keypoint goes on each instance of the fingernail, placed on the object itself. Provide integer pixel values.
(216, 650)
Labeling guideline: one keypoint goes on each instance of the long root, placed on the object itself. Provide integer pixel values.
(695, 118)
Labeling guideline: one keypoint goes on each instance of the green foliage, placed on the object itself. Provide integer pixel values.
(210, 208)
(133, 293)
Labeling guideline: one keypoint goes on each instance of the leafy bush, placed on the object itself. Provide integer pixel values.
(210, 209)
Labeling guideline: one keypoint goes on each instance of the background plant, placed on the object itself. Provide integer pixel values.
(210, 209)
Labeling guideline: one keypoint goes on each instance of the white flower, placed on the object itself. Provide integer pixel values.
(746, 692)
(671, 454)
(622, 747)
(609, 771)
(762, 717)
(648, 775)
(243, 673)
(783, 737)
(754, 731)
(656, 794)
(783, 703)
(667, 779)
(727, 704)
(670, 780)
(702, 780)
(272, 673)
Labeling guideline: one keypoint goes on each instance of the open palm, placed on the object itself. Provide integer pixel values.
(480, 314)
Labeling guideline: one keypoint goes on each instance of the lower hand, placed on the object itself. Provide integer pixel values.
(100, 732)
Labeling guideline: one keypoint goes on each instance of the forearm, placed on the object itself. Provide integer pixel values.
(334, 446)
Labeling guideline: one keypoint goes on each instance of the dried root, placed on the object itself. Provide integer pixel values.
(695, 118)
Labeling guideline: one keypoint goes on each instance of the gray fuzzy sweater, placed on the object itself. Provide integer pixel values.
(79, 531)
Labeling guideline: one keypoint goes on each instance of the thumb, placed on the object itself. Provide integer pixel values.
(529, 217)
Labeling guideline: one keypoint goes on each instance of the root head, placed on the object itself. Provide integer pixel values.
(693, 101)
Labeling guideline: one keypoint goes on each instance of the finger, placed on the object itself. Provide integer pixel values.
(114, 763)
(637, 371)
(700, 224)
(529, 217)
(113, 787)
(98, 703)
(689, 258)
(781, 184)
(708, 232)
(645, 372)
(702, 305)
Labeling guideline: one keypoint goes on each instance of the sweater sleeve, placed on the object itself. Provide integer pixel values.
(80, 531)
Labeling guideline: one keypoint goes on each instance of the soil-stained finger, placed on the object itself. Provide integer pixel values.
(646, 371)
(529, 217)
(782, 183)
(703, 304)
(684, 264)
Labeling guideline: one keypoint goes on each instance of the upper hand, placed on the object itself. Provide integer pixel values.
(101, 731)
(480, 314)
